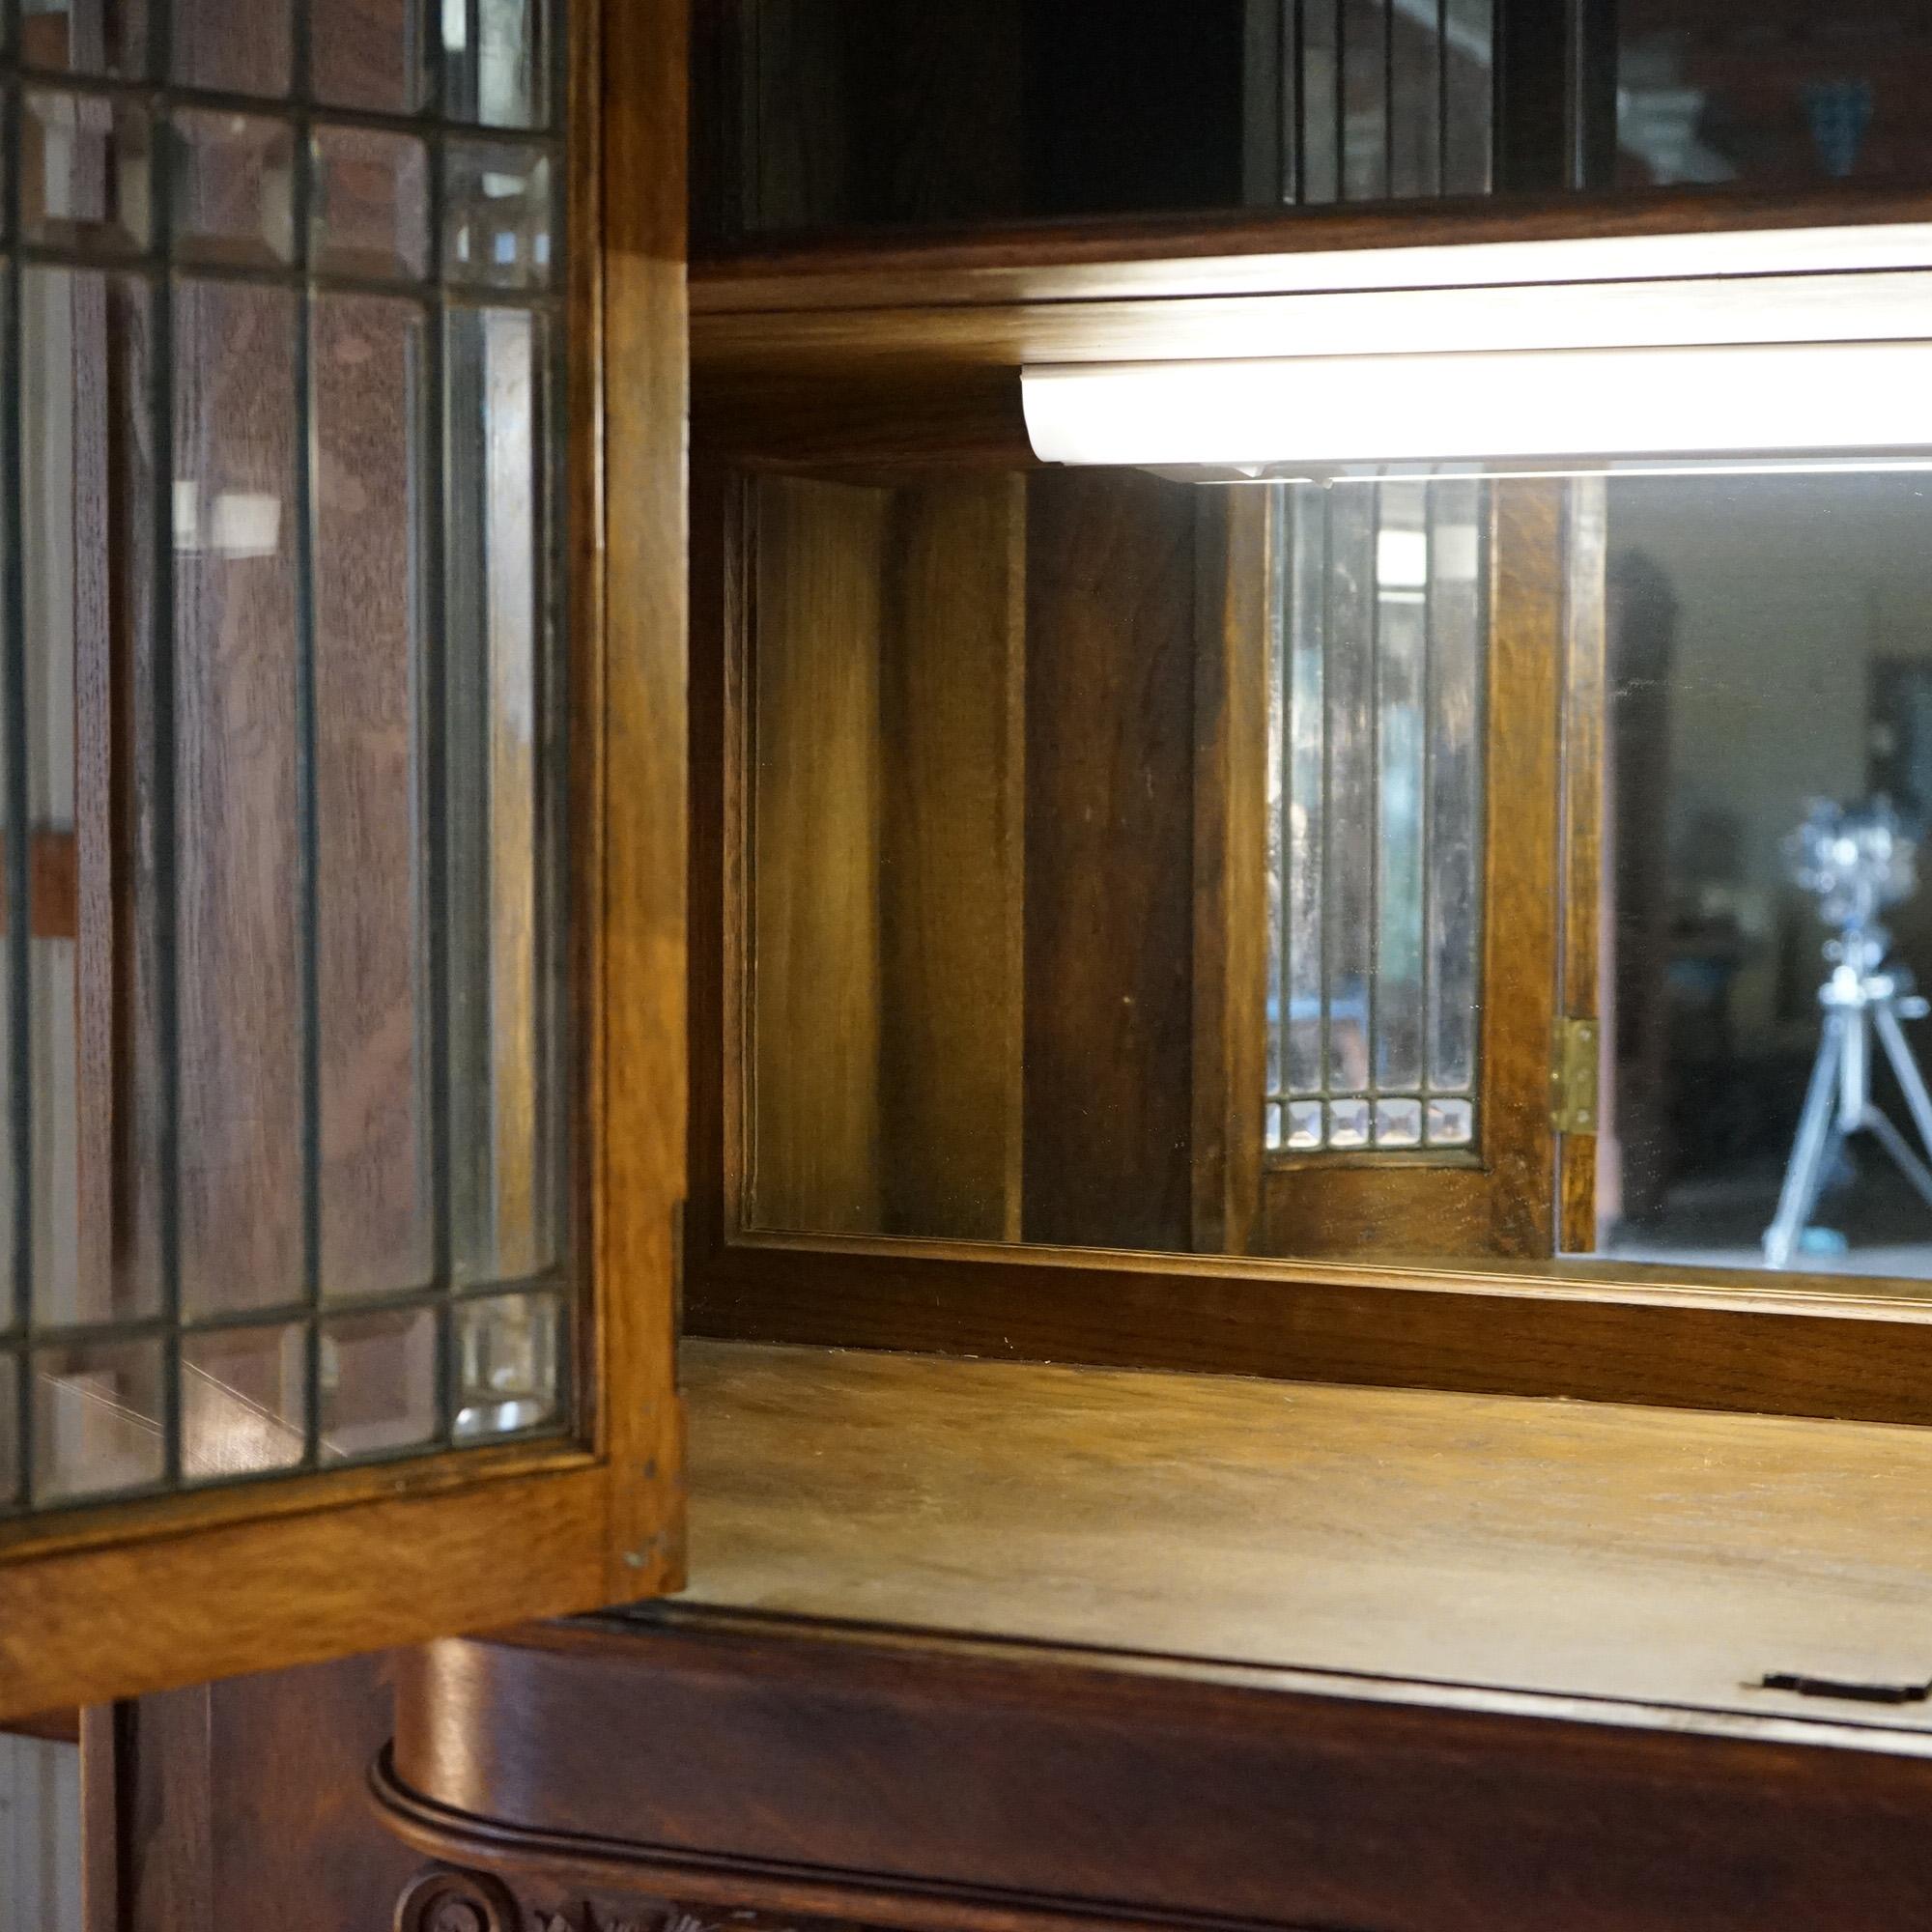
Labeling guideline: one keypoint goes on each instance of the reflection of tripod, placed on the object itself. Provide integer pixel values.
(1857, 997)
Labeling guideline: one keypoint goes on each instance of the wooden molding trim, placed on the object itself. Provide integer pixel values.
(1245, 253)
(1014, 1788)
(1778, 1353)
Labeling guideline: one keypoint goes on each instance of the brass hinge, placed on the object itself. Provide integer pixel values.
(1573, 1077)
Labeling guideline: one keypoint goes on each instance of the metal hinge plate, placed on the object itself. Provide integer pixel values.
(1573, 1077)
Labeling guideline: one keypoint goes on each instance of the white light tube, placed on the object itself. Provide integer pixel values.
(1556, 404)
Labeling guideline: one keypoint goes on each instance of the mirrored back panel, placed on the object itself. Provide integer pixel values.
(1503, 871)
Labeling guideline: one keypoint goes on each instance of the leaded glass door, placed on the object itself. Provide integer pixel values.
(1392, 943)
(308, 1095)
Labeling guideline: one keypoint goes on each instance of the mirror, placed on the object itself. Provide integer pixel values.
(1130, 862)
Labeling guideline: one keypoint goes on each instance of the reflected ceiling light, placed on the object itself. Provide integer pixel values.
(1513, 407)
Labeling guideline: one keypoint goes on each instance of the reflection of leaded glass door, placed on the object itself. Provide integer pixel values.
(1386, 948)
(1375, 778)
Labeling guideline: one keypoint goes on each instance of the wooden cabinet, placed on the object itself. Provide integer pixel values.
(974, 1645)
(442, 920)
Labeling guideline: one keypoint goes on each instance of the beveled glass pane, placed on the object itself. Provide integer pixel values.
(1306, 791)
(1276, 835)
(1349, 861)
(238, 914)
(495, 55)
(371, 54)
(84, 171)
(1307, 1125)
(370, 960)
(12, 1309)
(1398, 1123)
(1272, 1129)
(379, 1383)
(497, 215)
(10, 1431)
(1468, 92)
(1417, 58)
(95, 37)
(1450, 1123)
(1321, 101)
(1454, 768)
(1365, 102)
(1401, 642)
(502, 814)
(234, 189)
(87, 578)
(243, 1401)
(1350, 1123)
(97, 1419)
(236, 46)
(508, 1364)
(370, 204)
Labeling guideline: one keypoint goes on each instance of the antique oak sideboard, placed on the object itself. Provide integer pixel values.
(1395, 1661)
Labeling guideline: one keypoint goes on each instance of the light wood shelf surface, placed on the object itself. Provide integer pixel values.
(1566, 1549)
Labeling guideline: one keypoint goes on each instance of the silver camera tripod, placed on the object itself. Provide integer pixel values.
(1855, 862)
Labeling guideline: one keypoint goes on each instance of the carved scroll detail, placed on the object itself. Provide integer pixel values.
(441, 1898)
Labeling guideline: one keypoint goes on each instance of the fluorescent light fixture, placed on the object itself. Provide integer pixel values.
(1548, 405)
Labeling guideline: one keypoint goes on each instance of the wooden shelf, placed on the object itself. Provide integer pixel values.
(1501, 1544)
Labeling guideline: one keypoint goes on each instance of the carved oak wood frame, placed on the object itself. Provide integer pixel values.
(847, 359)
(134, 1597)
(500, 1770)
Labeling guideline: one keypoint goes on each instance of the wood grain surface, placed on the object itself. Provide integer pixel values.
(1592, 1551)
(1109, 859)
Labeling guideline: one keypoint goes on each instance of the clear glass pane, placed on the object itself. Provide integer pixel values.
(1305, 794)
(1375, 851)
(504, 866)
(508, 1364)
(12, 1309)
(84, 172)
(1468, 88)
(1456, 623)
(370, 202)
(234, 189)
(1321, 101)
(97, 1419)
(237, 46)
(243, 1402)
(495, 55)
(368, 367)
(1401, 642)
(239, 974)
(1416, 100)
(1349, 865)
(1278, 676)
(379, 1383)
(96, 36)
(1779, 103)
(370, 54)
(92, 966)
(1365, 101)
(497, 215)
(10, 1431)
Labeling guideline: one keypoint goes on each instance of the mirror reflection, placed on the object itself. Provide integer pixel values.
(1503, 871)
